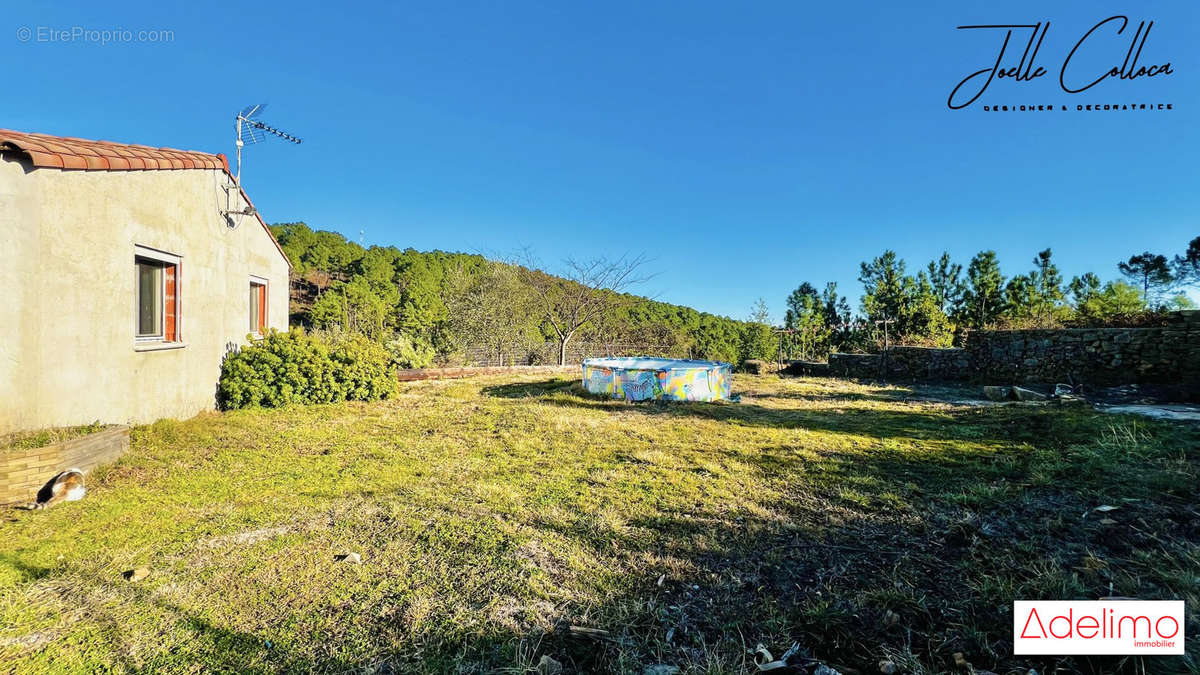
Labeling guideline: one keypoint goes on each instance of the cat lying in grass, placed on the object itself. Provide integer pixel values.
(65, 487)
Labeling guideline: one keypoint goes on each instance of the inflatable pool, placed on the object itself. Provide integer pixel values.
(644, 379)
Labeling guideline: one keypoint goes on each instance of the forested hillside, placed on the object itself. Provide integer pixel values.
(439, 307)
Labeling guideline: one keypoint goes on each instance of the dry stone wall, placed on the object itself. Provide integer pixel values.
(1168, 354)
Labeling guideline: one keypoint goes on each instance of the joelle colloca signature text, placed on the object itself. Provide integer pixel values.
(1071, 77)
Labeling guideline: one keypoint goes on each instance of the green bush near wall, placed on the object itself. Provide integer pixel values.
(295, 367)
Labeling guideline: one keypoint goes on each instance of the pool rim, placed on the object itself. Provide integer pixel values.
(685, 364)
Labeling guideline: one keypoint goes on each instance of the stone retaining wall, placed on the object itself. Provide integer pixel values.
(904, 363)
(24, 472)
(1099, 356)
(855, 365)
(1167, 354)
(923, 363)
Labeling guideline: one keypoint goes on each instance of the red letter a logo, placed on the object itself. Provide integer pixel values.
(1024, 631)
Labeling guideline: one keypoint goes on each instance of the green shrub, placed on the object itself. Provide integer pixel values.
(755, 367)
(405, 352)
(362, 368)
(295, 367)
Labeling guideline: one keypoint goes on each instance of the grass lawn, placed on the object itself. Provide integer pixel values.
(492, 514)
(27, 440)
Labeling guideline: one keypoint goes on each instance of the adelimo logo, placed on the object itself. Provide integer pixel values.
(1061, 627)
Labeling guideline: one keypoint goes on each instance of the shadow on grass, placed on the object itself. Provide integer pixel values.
(943, 535)
(828, 570)
(955, 393)
(533, 389)
(1041, 426)
(855, 577)
(872, 395)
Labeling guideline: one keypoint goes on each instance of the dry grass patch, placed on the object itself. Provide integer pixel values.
(491, 514)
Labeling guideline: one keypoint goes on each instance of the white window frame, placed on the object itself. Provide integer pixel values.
(158, 341)
(256, 280)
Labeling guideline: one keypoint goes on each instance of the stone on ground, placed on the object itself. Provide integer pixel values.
(548, 666)
(1024, 394)
(996, 393)
(136, 574)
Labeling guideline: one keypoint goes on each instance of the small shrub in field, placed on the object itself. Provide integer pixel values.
(295, 367)
(406, 352)
(755, 366)
(362, 368)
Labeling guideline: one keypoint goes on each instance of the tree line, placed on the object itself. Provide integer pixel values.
(438, 307)
(943, 300)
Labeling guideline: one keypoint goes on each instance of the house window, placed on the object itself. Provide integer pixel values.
(150, 299)
(157, 303)
(258, 305)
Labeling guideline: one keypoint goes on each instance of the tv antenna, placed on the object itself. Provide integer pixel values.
(251, 130)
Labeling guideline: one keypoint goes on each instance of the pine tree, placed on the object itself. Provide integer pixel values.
(837, 310)
(1149, 271)
(1046, 294)
(1119, 299)
(1187, 266)
(758, 339)
(922, 319)
(1083, 288)
(909, 302)
(759, 312)
(799, 304)
(883, 286)
(1019, 297)
(807, 317)
(983, 300)
(948, 286)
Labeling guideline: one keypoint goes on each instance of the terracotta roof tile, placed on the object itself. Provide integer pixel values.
(61, 152)
(73, 162)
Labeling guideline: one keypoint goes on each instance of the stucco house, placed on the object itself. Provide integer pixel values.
(126, 274)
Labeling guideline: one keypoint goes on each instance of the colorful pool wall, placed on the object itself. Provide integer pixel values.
(644, 379)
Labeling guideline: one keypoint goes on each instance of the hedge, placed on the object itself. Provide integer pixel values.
(295, 367)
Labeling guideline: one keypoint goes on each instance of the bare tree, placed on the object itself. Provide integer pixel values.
(586, 291)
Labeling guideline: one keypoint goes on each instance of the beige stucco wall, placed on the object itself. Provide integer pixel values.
(67, 296)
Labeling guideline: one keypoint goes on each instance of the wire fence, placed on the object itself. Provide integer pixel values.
(547, 353)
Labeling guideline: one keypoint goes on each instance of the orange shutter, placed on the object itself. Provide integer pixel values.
(262, 309)
(169, 305)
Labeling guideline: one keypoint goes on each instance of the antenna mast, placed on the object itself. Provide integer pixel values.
(249, 130)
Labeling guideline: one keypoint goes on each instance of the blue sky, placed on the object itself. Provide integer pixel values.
(746, 147)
